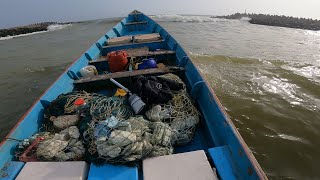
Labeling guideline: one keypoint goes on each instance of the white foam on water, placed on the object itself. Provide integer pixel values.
(310, 72)
(280, 86)
(52, 27)
(21, 35)
(6, 38)
(245, 19)
(287, 137)
(311, 32)
(190, 19)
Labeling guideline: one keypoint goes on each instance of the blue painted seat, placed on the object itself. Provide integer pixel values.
(221, 158)
(112, 172)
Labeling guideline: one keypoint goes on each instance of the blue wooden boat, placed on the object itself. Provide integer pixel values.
(217, 135)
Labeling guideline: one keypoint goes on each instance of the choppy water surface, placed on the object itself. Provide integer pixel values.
(268, 79)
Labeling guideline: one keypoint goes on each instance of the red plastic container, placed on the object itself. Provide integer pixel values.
(117, 60)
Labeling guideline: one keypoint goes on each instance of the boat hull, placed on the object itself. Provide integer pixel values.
(218, 128)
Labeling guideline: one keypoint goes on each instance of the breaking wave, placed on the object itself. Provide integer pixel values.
(244, 77)
(180, 18)
(52, 27)
(245, 19)
(311, 32)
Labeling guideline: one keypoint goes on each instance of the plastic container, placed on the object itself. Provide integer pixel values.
(148, 64)
(136, 103)
(117, 60)
(88, 71)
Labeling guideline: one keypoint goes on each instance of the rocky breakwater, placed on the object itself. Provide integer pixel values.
(26, 29)
(277, 20)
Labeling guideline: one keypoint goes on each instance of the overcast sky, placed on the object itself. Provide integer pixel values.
(20, 12)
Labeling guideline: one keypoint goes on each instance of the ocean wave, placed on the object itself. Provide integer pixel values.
(310, 72)
(245, 19)
(280, 86)
(257, 78)
(311, 32)
(52, 27)
(180, 18)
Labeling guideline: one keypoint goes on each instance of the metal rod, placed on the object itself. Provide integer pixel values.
(120, 85)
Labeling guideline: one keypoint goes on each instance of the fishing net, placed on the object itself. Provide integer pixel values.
(123, 141)
(105, 129)
(65, 121)
(63, 146)
(69, 106)
(179, 113)
(174, 80)
(23, 145)
(64, 105)
(105, 107)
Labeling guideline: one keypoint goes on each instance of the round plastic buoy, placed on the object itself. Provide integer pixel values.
(79, 102)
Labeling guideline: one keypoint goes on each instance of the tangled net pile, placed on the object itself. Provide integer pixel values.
(63, 146)
(105, 129)
(174, 78)
(129, 140)
(105, 107)
(64, 105)
(179, 113)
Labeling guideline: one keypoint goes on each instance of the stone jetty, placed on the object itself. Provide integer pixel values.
(276, 20)
(26, 29)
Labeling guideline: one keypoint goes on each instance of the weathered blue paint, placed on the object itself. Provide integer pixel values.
(222, 161)
(10, 170)
(112, 172)
(216, 129)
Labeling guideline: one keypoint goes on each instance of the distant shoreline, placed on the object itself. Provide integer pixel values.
(276, 20)
(38, 27)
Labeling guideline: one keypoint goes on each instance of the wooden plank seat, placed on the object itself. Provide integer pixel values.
(131, 40)
(123, 74)
(136, 23)
(119, 40)
(137, 52)
(146, 37)
(133, 43)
